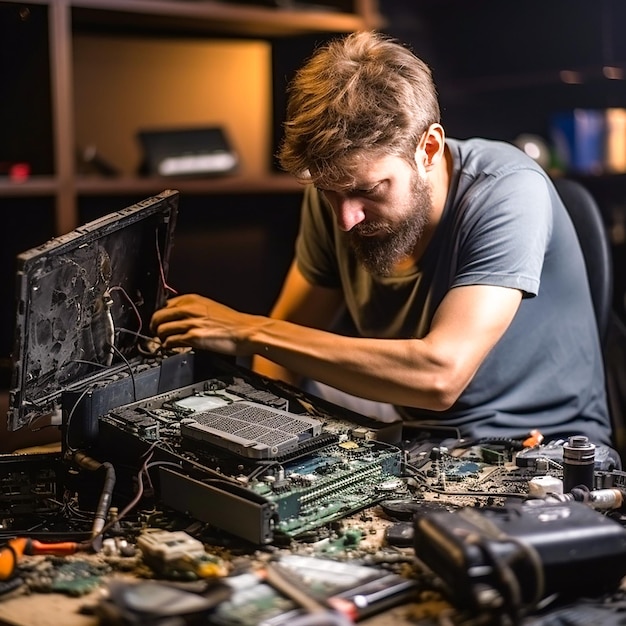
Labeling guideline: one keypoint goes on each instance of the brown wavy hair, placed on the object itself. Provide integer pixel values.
(360, 95)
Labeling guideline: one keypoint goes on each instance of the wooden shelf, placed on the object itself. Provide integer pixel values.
(272, 183)
(212, 17)
(209, 17)
(160, 19)
(35, 186)
(88, 185)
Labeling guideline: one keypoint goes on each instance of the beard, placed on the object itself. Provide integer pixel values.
(394, 242)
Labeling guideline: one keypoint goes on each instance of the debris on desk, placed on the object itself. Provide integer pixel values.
(117, 547)
(252, 602)
(72, 577)
(11, 585)
(343, 541)
(432, 607)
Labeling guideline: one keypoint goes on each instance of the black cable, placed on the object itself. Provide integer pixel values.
(159, 350)
(513, 444)
(86, 362)
(130, 371)
(69, 419)
(104, 503)
(140, 489)
(508, 582)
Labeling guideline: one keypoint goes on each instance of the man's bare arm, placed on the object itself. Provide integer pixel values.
(305, 304)
(429, 373)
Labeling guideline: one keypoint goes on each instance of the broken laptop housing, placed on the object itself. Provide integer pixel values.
(84, 303)
(243, 453)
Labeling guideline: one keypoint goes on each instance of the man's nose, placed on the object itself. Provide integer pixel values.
(349, 213)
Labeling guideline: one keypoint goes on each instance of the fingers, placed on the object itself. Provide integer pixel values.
(178, 341)
(177, 333)
(186, 298)
(181, 322)
(162, 316)
(165, 326)
(175, 309)
(195, 321)
(158, 319)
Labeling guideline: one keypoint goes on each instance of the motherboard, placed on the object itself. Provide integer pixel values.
(334, 470)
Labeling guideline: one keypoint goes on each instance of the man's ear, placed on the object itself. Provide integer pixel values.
(431, 147)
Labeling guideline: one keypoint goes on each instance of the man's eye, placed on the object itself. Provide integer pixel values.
(366, 192)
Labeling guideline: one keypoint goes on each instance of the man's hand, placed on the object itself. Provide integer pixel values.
(198, 322)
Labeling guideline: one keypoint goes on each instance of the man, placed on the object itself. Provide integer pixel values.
(456, 261)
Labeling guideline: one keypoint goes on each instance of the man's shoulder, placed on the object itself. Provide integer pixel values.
(485, 162)
(489, 151)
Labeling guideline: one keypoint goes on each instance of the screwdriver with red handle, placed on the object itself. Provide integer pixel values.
(14, 549)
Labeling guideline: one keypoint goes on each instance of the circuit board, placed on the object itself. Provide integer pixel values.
(347, 467)
(455, 473)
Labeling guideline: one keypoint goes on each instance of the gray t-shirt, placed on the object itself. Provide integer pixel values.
(503, 224)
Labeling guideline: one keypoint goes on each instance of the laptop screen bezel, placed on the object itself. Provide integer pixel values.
(120, 238)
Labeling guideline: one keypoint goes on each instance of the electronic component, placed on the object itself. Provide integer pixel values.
(250, 429)
(154, 602)
(578, 463)
(75, 577)
(542, 486)
(509, 558)
(176, 553)
(352, 589)
(29, 486)
(400, 534)
(187, 152)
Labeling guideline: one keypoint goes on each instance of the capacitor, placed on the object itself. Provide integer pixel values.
(605, 499)
(578, 463)
(541, 486)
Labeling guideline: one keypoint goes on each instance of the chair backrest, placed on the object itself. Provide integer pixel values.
(594, 241)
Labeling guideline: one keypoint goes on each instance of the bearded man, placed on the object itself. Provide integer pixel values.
(455, 261)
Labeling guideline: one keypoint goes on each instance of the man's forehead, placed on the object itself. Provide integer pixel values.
(361, 173)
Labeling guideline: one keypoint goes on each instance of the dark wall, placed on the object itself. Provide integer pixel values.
(26, 223)
(25, 137)
(25, 105)
(235, 248)
(498, 64)
(288, 54)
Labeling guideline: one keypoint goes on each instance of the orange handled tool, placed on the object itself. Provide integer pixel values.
(12, 552)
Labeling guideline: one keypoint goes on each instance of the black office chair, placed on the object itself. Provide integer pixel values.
(595, 245)
(594, 241)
